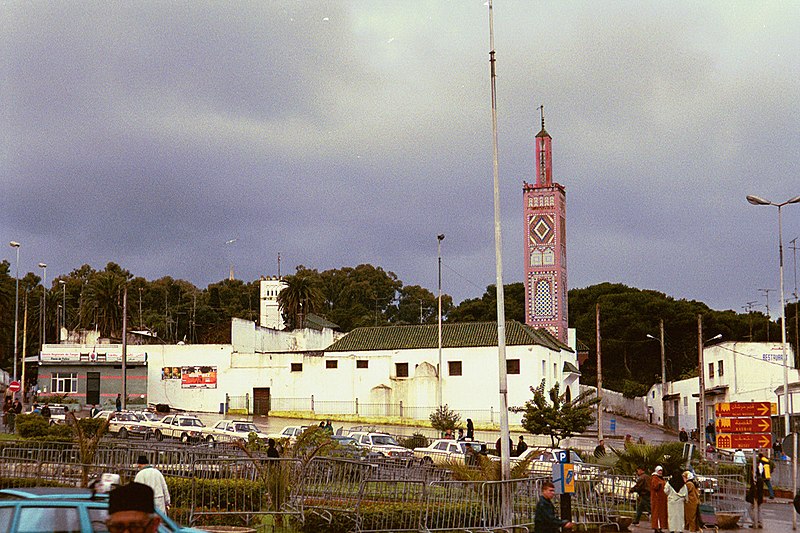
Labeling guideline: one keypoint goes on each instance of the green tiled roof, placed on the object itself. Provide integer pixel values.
(462, 335)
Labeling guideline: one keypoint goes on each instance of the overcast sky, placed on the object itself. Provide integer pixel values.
(340, 133)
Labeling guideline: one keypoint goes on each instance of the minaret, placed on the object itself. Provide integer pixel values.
(271, 316)
(545, 244)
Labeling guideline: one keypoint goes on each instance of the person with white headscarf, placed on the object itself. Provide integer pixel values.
(692, 505)
(658, 500)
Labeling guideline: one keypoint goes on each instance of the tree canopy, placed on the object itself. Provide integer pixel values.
(556, 416)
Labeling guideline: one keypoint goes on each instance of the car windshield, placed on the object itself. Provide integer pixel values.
(152, 417)
(191, 422)
(384, 440)
(345, 440)
(246, 428)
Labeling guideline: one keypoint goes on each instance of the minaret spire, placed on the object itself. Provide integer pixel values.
(541, 108)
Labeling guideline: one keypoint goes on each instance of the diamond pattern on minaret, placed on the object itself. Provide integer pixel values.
(545, 244)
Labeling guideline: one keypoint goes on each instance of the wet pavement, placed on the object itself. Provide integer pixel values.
(776, 516)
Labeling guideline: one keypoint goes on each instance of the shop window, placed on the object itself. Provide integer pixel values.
(64, 382)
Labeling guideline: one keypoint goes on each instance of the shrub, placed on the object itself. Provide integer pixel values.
(444, 418)
(32, 426)
(417, 440)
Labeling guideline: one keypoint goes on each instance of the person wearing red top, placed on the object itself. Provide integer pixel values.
(658, 501)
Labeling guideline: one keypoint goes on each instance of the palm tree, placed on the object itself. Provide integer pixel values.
(301, 296)
(104, 292)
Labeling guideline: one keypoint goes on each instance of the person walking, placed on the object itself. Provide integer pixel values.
(755, 497)
(683, 436)
(153, 478)
(521, 446)
(677, 493)
(658, 501)
(692, 505)
(642, 489)
(765, 473)
(545, 519)
(470, 429)
(119, 402)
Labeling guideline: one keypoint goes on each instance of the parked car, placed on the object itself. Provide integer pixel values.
(447, 450)
(543, 459)
(124, 424)
(61, 509)
(290, 433)
(58, 412)
(383, 444)
(186, 428)
(230, 430)
(148, 419)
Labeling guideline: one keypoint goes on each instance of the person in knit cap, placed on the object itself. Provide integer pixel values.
(130, 508)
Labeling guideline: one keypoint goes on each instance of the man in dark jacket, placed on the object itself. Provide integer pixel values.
(642, 488)
(545, 519)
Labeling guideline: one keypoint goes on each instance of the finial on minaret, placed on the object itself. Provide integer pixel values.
(541, 108)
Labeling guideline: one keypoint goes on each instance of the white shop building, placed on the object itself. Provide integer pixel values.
(733, 372)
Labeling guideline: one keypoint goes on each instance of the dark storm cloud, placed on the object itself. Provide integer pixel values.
(337, 133)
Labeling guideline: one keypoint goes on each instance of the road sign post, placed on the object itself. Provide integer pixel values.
(743, 425)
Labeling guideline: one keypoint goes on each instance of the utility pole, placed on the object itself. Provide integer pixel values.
(439, 239)
(24, 346)
(769, 318)
(125, 348)
(599, 375)
(701, 420)
(748, 307)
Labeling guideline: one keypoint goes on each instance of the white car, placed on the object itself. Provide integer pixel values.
(543, 459)
(383, 444)
(124, 424)
(230, 430)
(188, 429)
(447, 450)
(290, 433)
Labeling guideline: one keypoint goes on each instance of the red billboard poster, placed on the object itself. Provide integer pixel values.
(198, 377)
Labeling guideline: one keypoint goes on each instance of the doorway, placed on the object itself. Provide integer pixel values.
(261, 401)
(93, 388)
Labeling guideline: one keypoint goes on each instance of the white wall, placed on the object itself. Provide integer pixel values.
(270, 316)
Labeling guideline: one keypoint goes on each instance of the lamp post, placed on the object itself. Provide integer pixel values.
(757, 200)
(43, 318)
(663, 370)
(63, 308)
(15, 244)
(439, 239)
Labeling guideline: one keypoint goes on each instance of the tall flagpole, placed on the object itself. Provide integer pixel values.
(505, 449)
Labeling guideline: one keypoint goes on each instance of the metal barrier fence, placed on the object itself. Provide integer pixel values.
(209, 487)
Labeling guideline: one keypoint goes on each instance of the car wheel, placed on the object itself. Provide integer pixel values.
(184, 438)
(123, 433)
(159, 436)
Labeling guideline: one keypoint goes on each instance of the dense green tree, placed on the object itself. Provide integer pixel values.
(484, 309)
(553, 415)
(418, 305)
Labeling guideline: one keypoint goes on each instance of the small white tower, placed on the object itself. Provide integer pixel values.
(270, 311)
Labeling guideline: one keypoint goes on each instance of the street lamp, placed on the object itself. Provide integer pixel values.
(439, 239)
(63, 308)
(757, 200)
(43, 319)
(15, 244)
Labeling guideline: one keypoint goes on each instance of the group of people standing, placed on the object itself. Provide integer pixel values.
(673, 504)
(10, 411)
